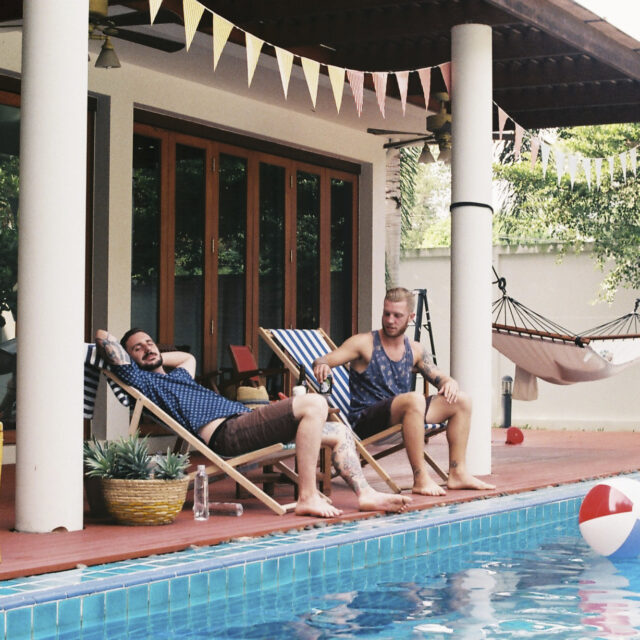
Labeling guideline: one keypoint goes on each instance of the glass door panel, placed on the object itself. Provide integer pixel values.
(307, 250)
(271, 273)
(341, 258)
(145, 253)
(232, 251)
(190, 205)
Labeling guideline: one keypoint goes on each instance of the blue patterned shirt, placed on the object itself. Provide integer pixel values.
(177, 393)
(383, 378)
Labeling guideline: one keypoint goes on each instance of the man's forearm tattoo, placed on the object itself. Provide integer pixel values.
(428, 369)
(114, 351)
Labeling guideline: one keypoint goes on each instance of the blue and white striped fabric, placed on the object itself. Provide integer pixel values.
(305, 345)
(93, 364)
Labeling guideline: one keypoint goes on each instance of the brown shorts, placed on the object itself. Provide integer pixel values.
(377, 417)
(259, 428)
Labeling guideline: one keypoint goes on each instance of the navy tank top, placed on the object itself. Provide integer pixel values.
(383, 378)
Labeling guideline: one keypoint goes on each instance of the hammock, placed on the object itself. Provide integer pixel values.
(541, 348)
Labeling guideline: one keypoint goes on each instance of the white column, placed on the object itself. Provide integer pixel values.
(471, 231)
(51, 267)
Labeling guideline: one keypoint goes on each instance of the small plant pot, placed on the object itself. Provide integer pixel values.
(144, 502)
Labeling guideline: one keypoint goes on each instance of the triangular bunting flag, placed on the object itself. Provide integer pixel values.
(154, 6)
(572, 162)
(425, 81)
(610, 160)
(633, 155)
(254, 46)
(502, 118)
(544, 155)
(311, 70)
(336, 76)
(192, 11)
(356, 82)
(623, 164)
(586, 165)
(535, 145)
(517, 141)
(402, 78)
(445, 69)
(380, 85)
(598, 163)
(221, 30)
(285, 62)
(559, 156)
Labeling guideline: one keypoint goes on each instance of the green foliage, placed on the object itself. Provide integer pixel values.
(607, 217)
(129, 458)
(9, 181)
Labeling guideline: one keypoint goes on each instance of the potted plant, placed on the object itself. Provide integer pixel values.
(138, 488)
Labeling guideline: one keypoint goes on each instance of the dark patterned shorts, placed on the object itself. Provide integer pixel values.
(377, 417)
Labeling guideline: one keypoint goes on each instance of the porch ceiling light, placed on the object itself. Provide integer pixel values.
(426, 157)
(107, 58)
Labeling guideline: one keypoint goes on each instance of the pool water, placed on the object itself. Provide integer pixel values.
(542, 582)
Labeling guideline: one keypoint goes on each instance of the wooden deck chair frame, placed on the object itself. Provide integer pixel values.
(361, 444)
(274, 454)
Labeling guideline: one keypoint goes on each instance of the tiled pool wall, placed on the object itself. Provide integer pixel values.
(77, 601)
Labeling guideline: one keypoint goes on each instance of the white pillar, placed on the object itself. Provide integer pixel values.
(51, 267)
(471, 231)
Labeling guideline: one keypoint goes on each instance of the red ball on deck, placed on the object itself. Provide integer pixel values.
(514, 435)
(609, 518)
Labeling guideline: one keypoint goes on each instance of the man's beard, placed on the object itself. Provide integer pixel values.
(151, 366)
(397, 332)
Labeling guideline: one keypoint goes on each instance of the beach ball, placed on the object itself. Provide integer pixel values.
(609, 518)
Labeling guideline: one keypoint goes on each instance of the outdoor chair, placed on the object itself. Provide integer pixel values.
(303, 346)
(129, 396)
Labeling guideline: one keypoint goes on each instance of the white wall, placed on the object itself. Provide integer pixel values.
(564, 291)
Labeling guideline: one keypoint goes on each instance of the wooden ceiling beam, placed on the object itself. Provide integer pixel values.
(579, 117)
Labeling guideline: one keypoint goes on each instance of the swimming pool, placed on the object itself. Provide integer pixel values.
(446, 572)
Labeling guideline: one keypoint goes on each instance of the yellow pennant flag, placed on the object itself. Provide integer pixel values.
(254, 46)
(192, 13)
(285, 62)
(336, 75)
(154, 6)
(221, 31)
(311, 70)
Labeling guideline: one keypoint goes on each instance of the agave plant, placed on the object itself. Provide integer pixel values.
(124, 458)
(171, 466)
(99, 458)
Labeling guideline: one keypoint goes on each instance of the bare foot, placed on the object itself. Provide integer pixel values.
(317, 506)
(373, 500)
(467, 481)
(429, 488)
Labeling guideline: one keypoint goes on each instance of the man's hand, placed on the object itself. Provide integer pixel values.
(321, 369)
(449, 390)
(111, 348)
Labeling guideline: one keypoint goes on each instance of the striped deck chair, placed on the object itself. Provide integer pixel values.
(130, 396)
(303, 346)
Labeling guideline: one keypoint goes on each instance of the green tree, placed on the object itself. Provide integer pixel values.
(9, 179)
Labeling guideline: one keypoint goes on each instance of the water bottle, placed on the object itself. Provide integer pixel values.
(301, 387)
(201, 494)
(226, 508)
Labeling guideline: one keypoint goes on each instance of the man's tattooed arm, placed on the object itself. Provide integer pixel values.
(111, 349)
(428, 369)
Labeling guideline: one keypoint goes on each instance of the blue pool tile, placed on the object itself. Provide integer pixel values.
(198, 589)
(93, 610)
(116, 604)
(358, 554)
(179, 593)
(454, 533)
(252, 576)
(301, 566)
(138, 600)
(345, 555)
(270, 573)
(444, 536)
(69, 616)
(410, 543)
(465, 531)
(372, 552)
(331, 561)
(316, 563)
(45, 620)
(476, 528)
(432, 539)
(218, 584)
(421, 542)
(397, 545)
(285, 570)
(235, 581)
(158, 596)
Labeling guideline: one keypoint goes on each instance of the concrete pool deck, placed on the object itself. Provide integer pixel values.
(545, 458)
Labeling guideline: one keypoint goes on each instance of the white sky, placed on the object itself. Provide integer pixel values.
(624, 14)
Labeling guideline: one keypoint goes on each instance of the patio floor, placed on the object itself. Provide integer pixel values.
(544, 458)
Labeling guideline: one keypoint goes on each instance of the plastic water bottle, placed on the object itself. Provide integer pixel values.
(201, 494)
(226, 508)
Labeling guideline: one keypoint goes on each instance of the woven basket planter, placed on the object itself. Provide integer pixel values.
(144, 502)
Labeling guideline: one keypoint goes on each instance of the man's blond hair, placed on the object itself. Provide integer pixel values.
(400, 294)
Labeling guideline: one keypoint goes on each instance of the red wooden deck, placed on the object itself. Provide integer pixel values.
(544, 458)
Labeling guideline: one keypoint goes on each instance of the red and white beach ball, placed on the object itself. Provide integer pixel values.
(609, 518)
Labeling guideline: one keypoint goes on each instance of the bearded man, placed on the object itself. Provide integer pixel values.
(381, 364)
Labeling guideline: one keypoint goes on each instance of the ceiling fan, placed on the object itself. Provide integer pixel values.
(438, 133)
(103, 27)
